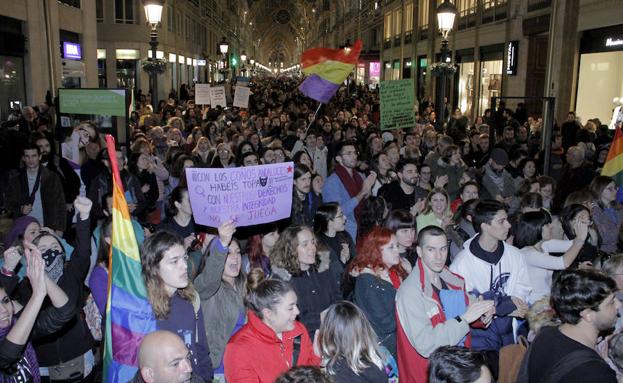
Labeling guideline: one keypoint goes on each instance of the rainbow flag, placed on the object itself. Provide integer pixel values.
(614, 162)
(328, 68)
(129, 316)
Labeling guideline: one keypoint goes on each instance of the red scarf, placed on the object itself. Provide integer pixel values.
(396, 281)
(353, 185)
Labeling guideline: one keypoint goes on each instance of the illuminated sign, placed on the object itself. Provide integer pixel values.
(610, 42)
(511, 57)
(72, 51)
(375, 69)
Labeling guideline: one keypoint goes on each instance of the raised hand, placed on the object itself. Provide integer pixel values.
(35, 270)
(226, 232)
(83, 206)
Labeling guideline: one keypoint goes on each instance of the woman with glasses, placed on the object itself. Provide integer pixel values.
(533, 236)
(294, 259)
(377, 274)
(607, 213)
(330, 229)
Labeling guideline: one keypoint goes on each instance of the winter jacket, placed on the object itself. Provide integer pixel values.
(186, 320)
(501, 281)
(316, 290)
(376, 298)
(102, 185)
(608, 222)
(422, 325)
(371, 374)
(48, 322)
(74, 338)
(220, 302)
(454, 173)
(495, 184)
(256, 355)
(52, 198)
(335, 191)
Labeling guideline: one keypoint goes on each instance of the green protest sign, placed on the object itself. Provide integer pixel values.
(106, 102)
(397, 100)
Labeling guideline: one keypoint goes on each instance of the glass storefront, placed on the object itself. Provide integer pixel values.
(600, 74)
(490, 83)
(387, 74)
(126, 74)
(396, 70)
(12, 90)
(360, 77)
(600, 80)
(466, 87)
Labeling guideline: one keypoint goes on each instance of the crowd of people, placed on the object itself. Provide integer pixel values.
(444, 252)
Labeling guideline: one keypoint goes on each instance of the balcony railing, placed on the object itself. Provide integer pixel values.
(494, 10)
(397, 41)
(408, 37)
(423, 32)
(71, 3)
(534, 5)
(467, 18)
(387, 43)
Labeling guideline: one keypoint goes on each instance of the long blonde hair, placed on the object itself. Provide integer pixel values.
(152, 252)
(345, 333)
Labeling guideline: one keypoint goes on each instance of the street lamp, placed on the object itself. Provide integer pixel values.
(223, 47)
(153, 14)
(446, 13)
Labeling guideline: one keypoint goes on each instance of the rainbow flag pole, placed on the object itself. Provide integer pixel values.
(129, 316)
(328, 68)
(613, 167)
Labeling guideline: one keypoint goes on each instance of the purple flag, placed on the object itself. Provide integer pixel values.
(318, 88)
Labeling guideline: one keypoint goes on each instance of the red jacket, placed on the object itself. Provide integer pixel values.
(256, 354)
(413, 367)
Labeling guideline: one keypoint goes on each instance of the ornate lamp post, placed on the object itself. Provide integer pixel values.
(446, 12)
(224, 48)
(153, 13)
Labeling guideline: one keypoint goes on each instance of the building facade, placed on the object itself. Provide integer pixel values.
(188, 36)
(45, 45)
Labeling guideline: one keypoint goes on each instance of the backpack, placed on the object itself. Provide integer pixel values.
(561, 368)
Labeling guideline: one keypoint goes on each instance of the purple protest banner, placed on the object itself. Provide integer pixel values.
(249, 195)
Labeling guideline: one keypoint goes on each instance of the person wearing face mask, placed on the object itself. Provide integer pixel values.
(221, 285)
(18, 360)
(67, 353)
(173, 298)
(378, 273)
(294, 259)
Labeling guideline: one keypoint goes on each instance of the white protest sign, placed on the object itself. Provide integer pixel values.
(202, 94)
(217, 96)
(241, 97)
(247, 195)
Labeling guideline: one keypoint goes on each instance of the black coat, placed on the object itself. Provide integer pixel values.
(343, 374)
(74, 338)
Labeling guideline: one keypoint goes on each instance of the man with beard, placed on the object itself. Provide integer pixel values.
(586, 303)
(163, 357)
(36, 191)
(403, 193)
(60, 166)
(347, 186)
(497, 183)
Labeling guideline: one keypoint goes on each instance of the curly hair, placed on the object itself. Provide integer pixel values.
(577, 290)
(284, 253)
(370, 255)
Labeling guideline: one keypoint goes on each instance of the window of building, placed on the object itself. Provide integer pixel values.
(396, 70)
(99, 10)
(178, 23)
(188, 26)
(170, 18)
(125, 11)
(466, 7)
(486, 4)
(409, 18)
(397, 22)
(387, 31)
(423, 14)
